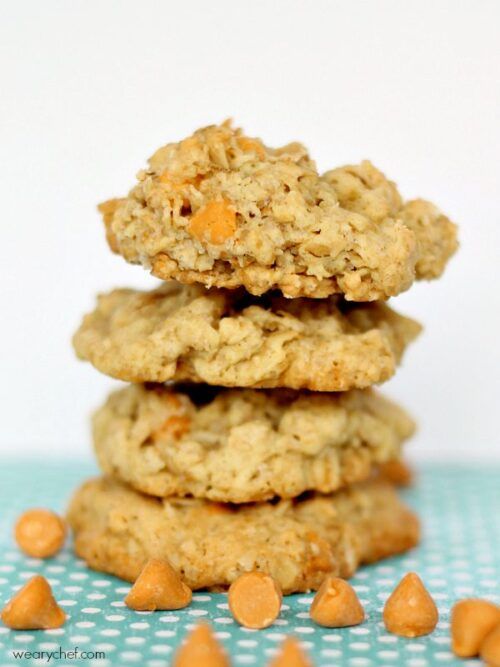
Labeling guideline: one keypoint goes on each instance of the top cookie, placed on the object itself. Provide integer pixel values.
(225, 210)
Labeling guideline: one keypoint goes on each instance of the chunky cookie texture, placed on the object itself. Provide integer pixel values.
(223, 209)
(224, 337)
(297, 542)
(244, 445)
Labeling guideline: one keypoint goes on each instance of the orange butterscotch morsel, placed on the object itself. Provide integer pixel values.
(158, 587)
(336, 605)
(40, 533)
(398, 472)
(490, 648)
(174, 427)
(410, 611)
(255, 600)
(471, 620)
(251, 146)
(214, 223)
(291, 655)
(201, 649)
(33, 607)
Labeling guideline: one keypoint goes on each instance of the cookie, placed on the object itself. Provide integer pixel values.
(244, 445)
(224, 210)
(117, 530)
(228, 338)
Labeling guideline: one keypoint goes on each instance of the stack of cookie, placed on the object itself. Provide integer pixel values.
(249, 437)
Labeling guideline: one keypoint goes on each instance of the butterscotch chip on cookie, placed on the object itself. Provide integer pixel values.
(210, 545)
(224, 210)
(227, 338)
(244, 445)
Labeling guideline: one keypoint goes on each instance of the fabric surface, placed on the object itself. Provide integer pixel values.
(459, 557)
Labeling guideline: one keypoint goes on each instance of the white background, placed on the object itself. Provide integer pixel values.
(91, 88)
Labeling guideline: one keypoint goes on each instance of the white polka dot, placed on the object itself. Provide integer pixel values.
(305, 600)
(331, 652)
(197, 612)
(275, 636)
(165, 633)
(223, 620)
(73, 589)
(359, 631)
(101, 583)
(78, 576)
(105, 647)
(135, 640)
(387, 639)
(96, 596)
(201, 598)
(139, 626)
(281, 621)
(79, 639)
(415, 648)
(118, 603)
(443, 655)
(54, 631)
(331, 637)
(169, 619)
(110, 632)
(130, 655)
(304, 630)
(160, 648)
(359, 646)
(247, 643)
(25, 638)
(48, 646)
(302, 614)
(85, 624)
(91, 610)
(387, 655)
(115, 617)
(222, 634)
(67, 603)
(223, 605)
(123, 590)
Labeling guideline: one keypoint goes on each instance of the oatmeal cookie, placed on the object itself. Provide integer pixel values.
(244, 445)
(117, 530)
(229, 338)
(223, 209)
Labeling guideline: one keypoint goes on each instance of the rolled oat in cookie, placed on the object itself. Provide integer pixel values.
(225, 210)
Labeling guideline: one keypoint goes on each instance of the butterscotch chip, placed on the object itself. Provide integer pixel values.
(490, 648)
(471, 621)
(192, 440)
(201, 649)
(228, 338)
(224, 210)
(33, 607)
(158, 587)
(397, 472)
(336, 604)
(255, 600)
(291, 654)
(410, 611)
(40, 533)
(117, 530)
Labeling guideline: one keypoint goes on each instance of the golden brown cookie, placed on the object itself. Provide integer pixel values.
(224, 210)
(244, 445)
(229, 338)
(298, 542)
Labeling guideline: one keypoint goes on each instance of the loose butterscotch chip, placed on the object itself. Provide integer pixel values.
(201, 649)
(291, 655)
(214, 223)
(158, 587)
(40, 533)
(471, 620)
(490, 648)
(336, 604)
(33, 607)
(410, 611)
(255, 600)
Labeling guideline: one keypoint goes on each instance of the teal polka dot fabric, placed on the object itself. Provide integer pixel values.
(458, 557)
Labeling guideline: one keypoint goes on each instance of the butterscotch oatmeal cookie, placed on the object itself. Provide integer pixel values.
(222, 209)
(244, 445)
(117, 530)
(225, 337)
